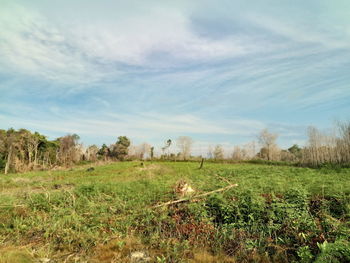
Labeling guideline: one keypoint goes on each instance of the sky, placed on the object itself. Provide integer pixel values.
(217, 71)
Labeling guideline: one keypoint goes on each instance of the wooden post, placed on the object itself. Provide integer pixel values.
(201, 165)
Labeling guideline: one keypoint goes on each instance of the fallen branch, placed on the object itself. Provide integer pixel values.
(223, 178)
(196, 196)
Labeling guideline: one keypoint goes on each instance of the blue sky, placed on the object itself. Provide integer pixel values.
(218, 71)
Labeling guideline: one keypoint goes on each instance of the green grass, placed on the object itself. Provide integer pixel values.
(277, 213)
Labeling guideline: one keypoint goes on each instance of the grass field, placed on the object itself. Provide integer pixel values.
(275, 214)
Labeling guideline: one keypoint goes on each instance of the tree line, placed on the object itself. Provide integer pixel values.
(22, 150)
(322, 147)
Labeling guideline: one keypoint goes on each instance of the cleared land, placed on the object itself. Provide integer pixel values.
(276, 213)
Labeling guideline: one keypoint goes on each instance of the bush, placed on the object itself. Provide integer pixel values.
(305, 254)
(337, 252)
(87, 190)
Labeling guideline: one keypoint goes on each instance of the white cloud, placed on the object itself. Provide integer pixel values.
(133, 39)
(138, 126)
(29, 45)
(72, 50)
(301, 32)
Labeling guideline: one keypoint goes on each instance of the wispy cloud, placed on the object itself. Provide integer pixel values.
(80, 52)
(219, 72)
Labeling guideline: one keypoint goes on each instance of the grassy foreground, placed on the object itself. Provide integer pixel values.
(276, 214)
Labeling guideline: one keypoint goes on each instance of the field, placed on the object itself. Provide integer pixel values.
(275, 214)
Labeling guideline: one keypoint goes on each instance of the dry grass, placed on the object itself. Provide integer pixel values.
(15, 255)
(204, 256)
(118, 250)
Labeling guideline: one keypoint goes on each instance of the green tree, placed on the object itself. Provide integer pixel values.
(121, 148)
(295, 150)
(103, 151)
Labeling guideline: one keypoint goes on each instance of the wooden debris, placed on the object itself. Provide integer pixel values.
(182, 189)
(196, 196)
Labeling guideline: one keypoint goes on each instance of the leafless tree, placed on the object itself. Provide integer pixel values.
(267, 141)
(237, 154)
(166, 147)
(328, 147)
(91, 153)
(184, 143)
(143, 150)
(210, 152)
(70, 150)
(218, 152)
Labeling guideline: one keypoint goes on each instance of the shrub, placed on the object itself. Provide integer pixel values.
(337, 252)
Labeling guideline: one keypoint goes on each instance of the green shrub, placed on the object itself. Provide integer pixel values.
(337, 252)
(305, 255)
(87, 190)
(297, 196)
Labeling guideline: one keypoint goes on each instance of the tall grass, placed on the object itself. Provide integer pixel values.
(277, 213)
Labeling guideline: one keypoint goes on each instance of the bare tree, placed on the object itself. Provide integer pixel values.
(237, 153)
(328, 147)
(142, 150)
(244, 152)
(267, 141)
(218, 152)
(10, 144)
(69, 151)
(184, 143)
(152, 152)
(210, 152)
(91, 153)
(343, 142)
(167, 147)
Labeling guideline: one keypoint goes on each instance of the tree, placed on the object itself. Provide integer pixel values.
(263, 153)
(91, 153)
(10, 142)
(343, 142)
(328, 146)
(143, 149)
(210, 152)
(104, 151)
(152, 152)
(239, 154)
(267, 141)
(166, 147)
(218, 152)
(184, 143)
(296, 151)
(120, 148)
(2, 148)
(69, 149)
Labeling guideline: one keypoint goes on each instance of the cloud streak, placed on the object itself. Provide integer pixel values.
(218, 72)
